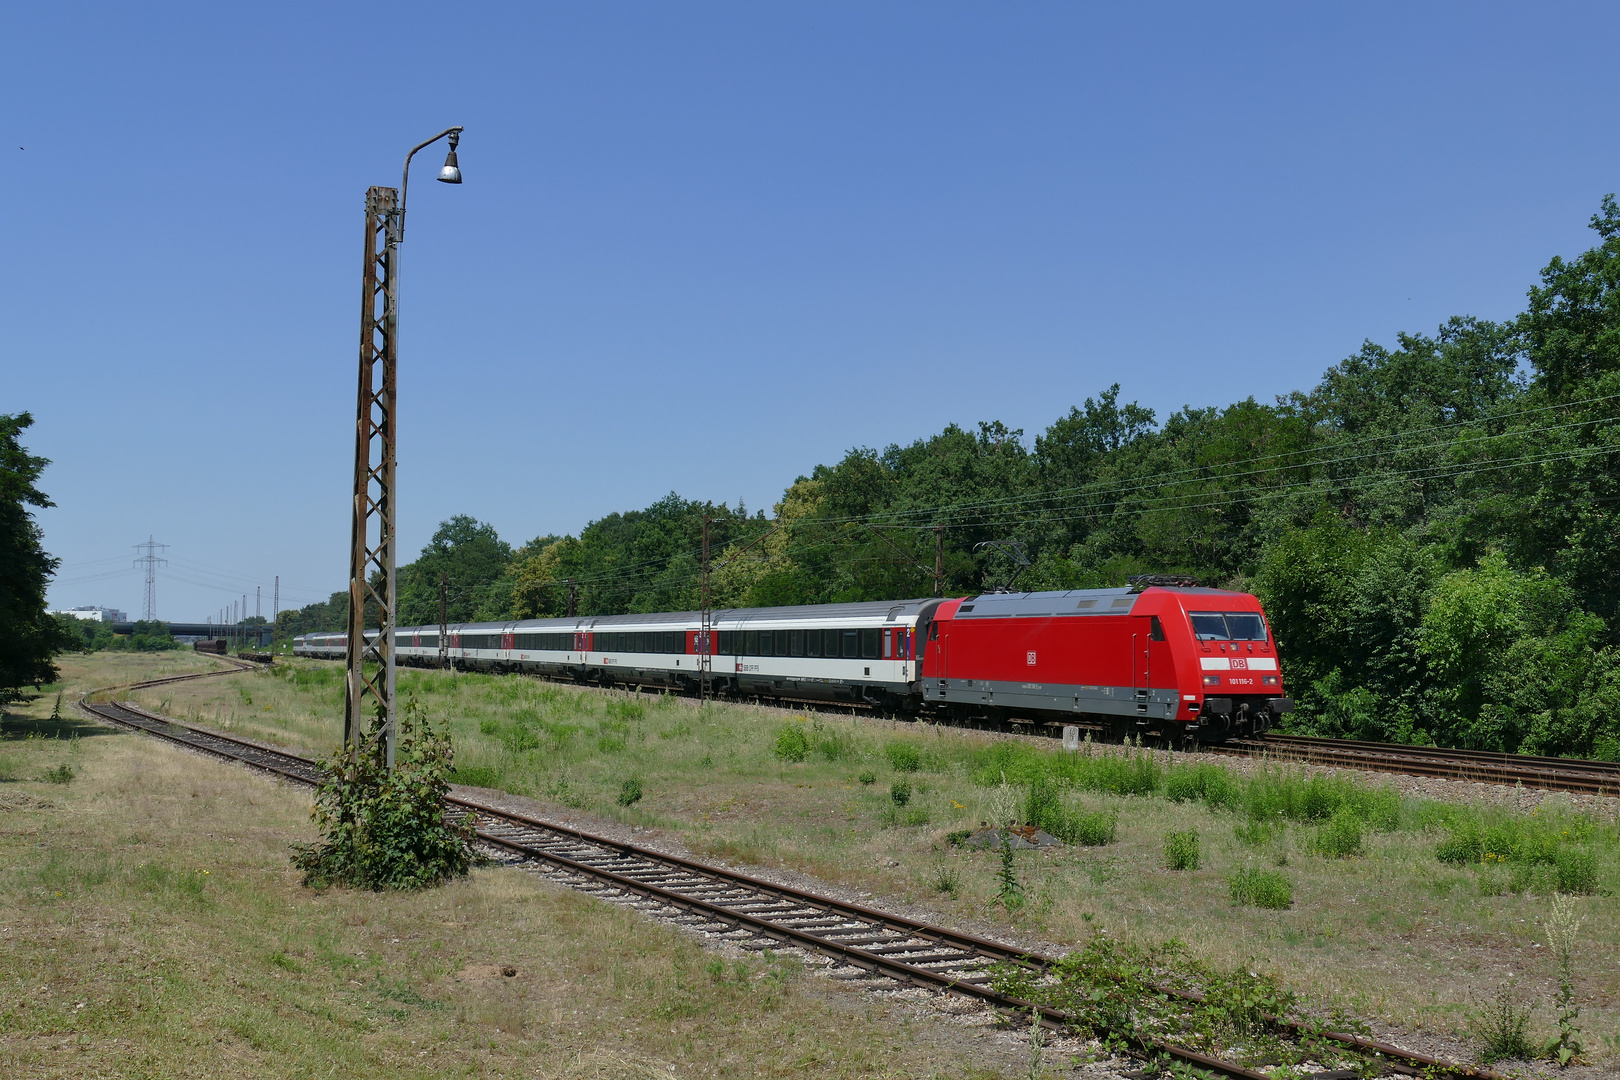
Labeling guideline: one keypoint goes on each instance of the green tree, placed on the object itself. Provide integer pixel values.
(474, 558)
(29, 637)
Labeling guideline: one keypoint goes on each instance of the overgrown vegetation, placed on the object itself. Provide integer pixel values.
(1132, 996)
(386, 828)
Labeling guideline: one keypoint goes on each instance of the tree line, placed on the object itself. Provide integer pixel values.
(1432, 526)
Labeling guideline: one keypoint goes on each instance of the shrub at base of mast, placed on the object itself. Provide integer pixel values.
(387, 830)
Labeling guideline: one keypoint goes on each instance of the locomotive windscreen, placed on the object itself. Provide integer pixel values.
(1230, 626)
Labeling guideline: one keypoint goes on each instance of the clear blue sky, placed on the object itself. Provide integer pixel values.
(703, 247)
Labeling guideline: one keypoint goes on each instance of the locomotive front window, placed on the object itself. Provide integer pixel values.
(1228, 626)
(1245, 626)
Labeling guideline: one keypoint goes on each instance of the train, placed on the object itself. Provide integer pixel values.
(1167, 662)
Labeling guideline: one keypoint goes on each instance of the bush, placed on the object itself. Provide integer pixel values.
(1340, 837)
(1260, 888)
(629, 792)
(900, 792)
(868, 777)
(386, 829)
(61, 774)
(903, 757)
(792, 744)
(1181, 850)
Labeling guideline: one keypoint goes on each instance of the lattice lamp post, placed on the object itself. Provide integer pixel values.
(369, 688)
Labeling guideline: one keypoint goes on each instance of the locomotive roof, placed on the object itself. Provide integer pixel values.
(1063, 602)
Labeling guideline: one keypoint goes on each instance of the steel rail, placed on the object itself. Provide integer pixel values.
(904, 950)
(1479, 766)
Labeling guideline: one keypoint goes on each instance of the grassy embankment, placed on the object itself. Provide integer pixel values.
(1379, 923)
(151, 926)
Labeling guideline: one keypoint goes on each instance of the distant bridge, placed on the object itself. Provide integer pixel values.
(255, 634)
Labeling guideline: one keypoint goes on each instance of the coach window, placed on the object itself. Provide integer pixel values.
(1155, 629)
(750, 643)
(852, 644)
(784, 643)
(812, 643)
(888, 644)
(869, 643)
(829, 642)
(796, 642)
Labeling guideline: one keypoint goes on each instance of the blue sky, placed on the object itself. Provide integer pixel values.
(702, 247)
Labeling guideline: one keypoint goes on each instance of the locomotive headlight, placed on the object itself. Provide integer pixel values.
(1212, 680)
(1269, 680)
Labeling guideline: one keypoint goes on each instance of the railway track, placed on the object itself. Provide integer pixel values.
(861, 943)
(1479, 766)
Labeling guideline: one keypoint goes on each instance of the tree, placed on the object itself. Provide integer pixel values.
(28, 636)
(475, 558)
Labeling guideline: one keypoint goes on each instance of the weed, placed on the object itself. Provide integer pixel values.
(1340, 836)
(1260, 888)
(1009, 893)
(903, 757)
(629, 792)
(900, 792)
(281, 960)
(915, 816)
(792, 744)
(946, 879)
(1562, 923)
(957, 837)
(1503, 1027)
(61, 774)
(868, 777)
(56, 709)
(1181, 850)
(489, 727)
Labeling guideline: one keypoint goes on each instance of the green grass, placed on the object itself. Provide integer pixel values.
(1253, 887)
(711, 777)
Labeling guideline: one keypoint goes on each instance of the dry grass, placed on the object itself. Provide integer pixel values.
(150, 926)
(1394, 935)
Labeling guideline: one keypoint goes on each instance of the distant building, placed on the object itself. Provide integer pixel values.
(95, 614)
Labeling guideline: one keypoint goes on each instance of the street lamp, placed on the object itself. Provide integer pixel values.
(372, 547)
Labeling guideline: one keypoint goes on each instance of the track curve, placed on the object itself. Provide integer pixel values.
(862, 942)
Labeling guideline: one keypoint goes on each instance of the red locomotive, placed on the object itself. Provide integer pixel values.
(1170, 661)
